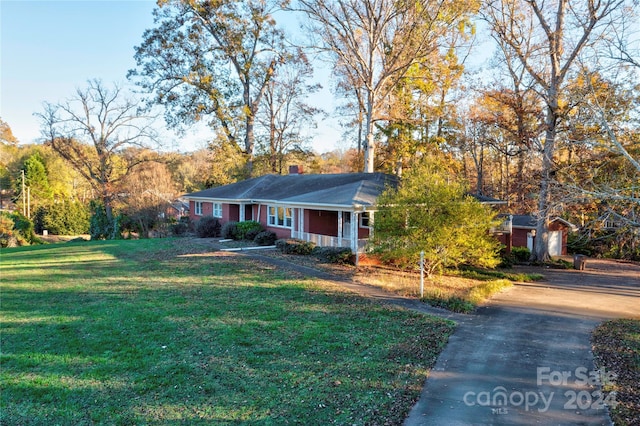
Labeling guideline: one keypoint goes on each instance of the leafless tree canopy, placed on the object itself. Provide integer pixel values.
(100, 134)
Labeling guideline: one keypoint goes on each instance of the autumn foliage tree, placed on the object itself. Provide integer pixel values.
(431, 212)
(211, 61)
(147, 195)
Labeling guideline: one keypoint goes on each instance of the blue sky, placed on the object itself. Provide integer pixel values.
(50, 48)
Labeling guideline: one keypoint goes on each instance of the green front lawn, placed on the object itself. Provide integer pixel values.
(163, 331)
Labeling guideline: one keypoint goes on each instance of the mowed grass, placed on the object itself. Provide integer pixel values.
(458, 291)
(167, 332)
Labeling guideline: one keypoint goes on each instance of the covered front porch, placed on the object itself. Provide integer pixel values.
(327, 228)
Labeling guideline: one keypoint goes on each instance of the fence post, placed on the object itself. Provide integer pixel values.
(421, 274)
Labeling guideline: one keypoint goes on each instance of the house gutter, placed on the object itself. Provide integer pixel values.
(352, 207)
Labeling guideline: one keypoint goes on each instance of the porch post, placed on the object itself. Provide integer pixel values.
(301, 222)
(340, 224)
(371, 219)
(354, 231)
(241, 212)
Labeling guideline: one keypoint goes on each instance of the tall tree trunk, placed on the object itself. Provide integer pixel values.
(249, 142)
(108, 208)
(480, 181)
(541, 242)
(369, 148)
(274, 152)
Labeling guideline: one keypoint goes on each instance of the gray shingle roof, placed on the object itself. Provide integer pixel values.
(527, 221)
(524, 221)
(345, 189)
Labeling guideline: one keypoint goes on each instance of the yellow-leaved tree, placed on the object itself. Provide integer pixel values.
(431, 212)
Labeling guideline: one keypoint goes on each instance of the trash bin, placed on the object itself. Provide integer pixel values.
(579, 262)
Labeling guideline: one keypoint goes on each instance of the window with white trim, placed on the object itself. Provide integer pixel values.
(198, 208)
(365, 220)
(217, 210)
(280, 216)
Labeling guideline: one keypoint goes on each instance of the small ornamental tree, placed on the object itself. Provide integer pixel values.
(431, 212)
(100, 226)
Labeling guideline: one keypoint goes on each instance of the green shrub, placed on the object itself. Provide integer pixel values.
(8, 236)
(490, 275)
(179, 228)
(265, 238)
(485, 290)
(65, 218)
(452, 303)
(16, 230)
(230, 230)
(293, 246)
(207, 227)
(248, 230)
(100, 227)
(522, 254)
(340, 255)
(507, 261)
(430, 216)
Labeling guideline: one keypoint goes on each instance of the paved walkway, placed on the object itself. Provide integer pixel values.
(524, 358)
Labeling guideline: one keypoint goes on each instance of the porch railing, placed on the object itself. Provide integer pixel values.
(327, 240)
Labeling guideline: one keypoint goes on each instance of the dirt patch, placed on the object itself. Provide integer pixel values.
(53, 239)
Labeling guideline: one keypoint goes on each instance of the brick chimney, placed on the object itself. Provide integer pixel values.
(296, 170)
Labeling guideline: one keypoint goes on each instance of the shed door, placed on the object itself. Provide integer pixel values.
(555, 243)
(530, 241)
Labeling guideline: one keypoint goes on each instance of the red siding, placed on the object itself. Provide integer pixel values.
(363, 232)
(231, 212)
(207, 210)
(519, 238)
(321, 222)
(280, 232)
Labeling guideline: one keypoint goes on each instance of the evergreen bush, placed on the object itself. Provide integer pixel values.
(265, 238)
(340, 255)
(293, 246)
(230, 230)
(65, 218)
(521, 254)
(181, 227)
(100, 227)
(248, 230)
(207, 227)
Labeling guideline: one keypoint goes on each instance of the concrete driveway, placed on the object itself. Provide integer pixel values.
(525, 358)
